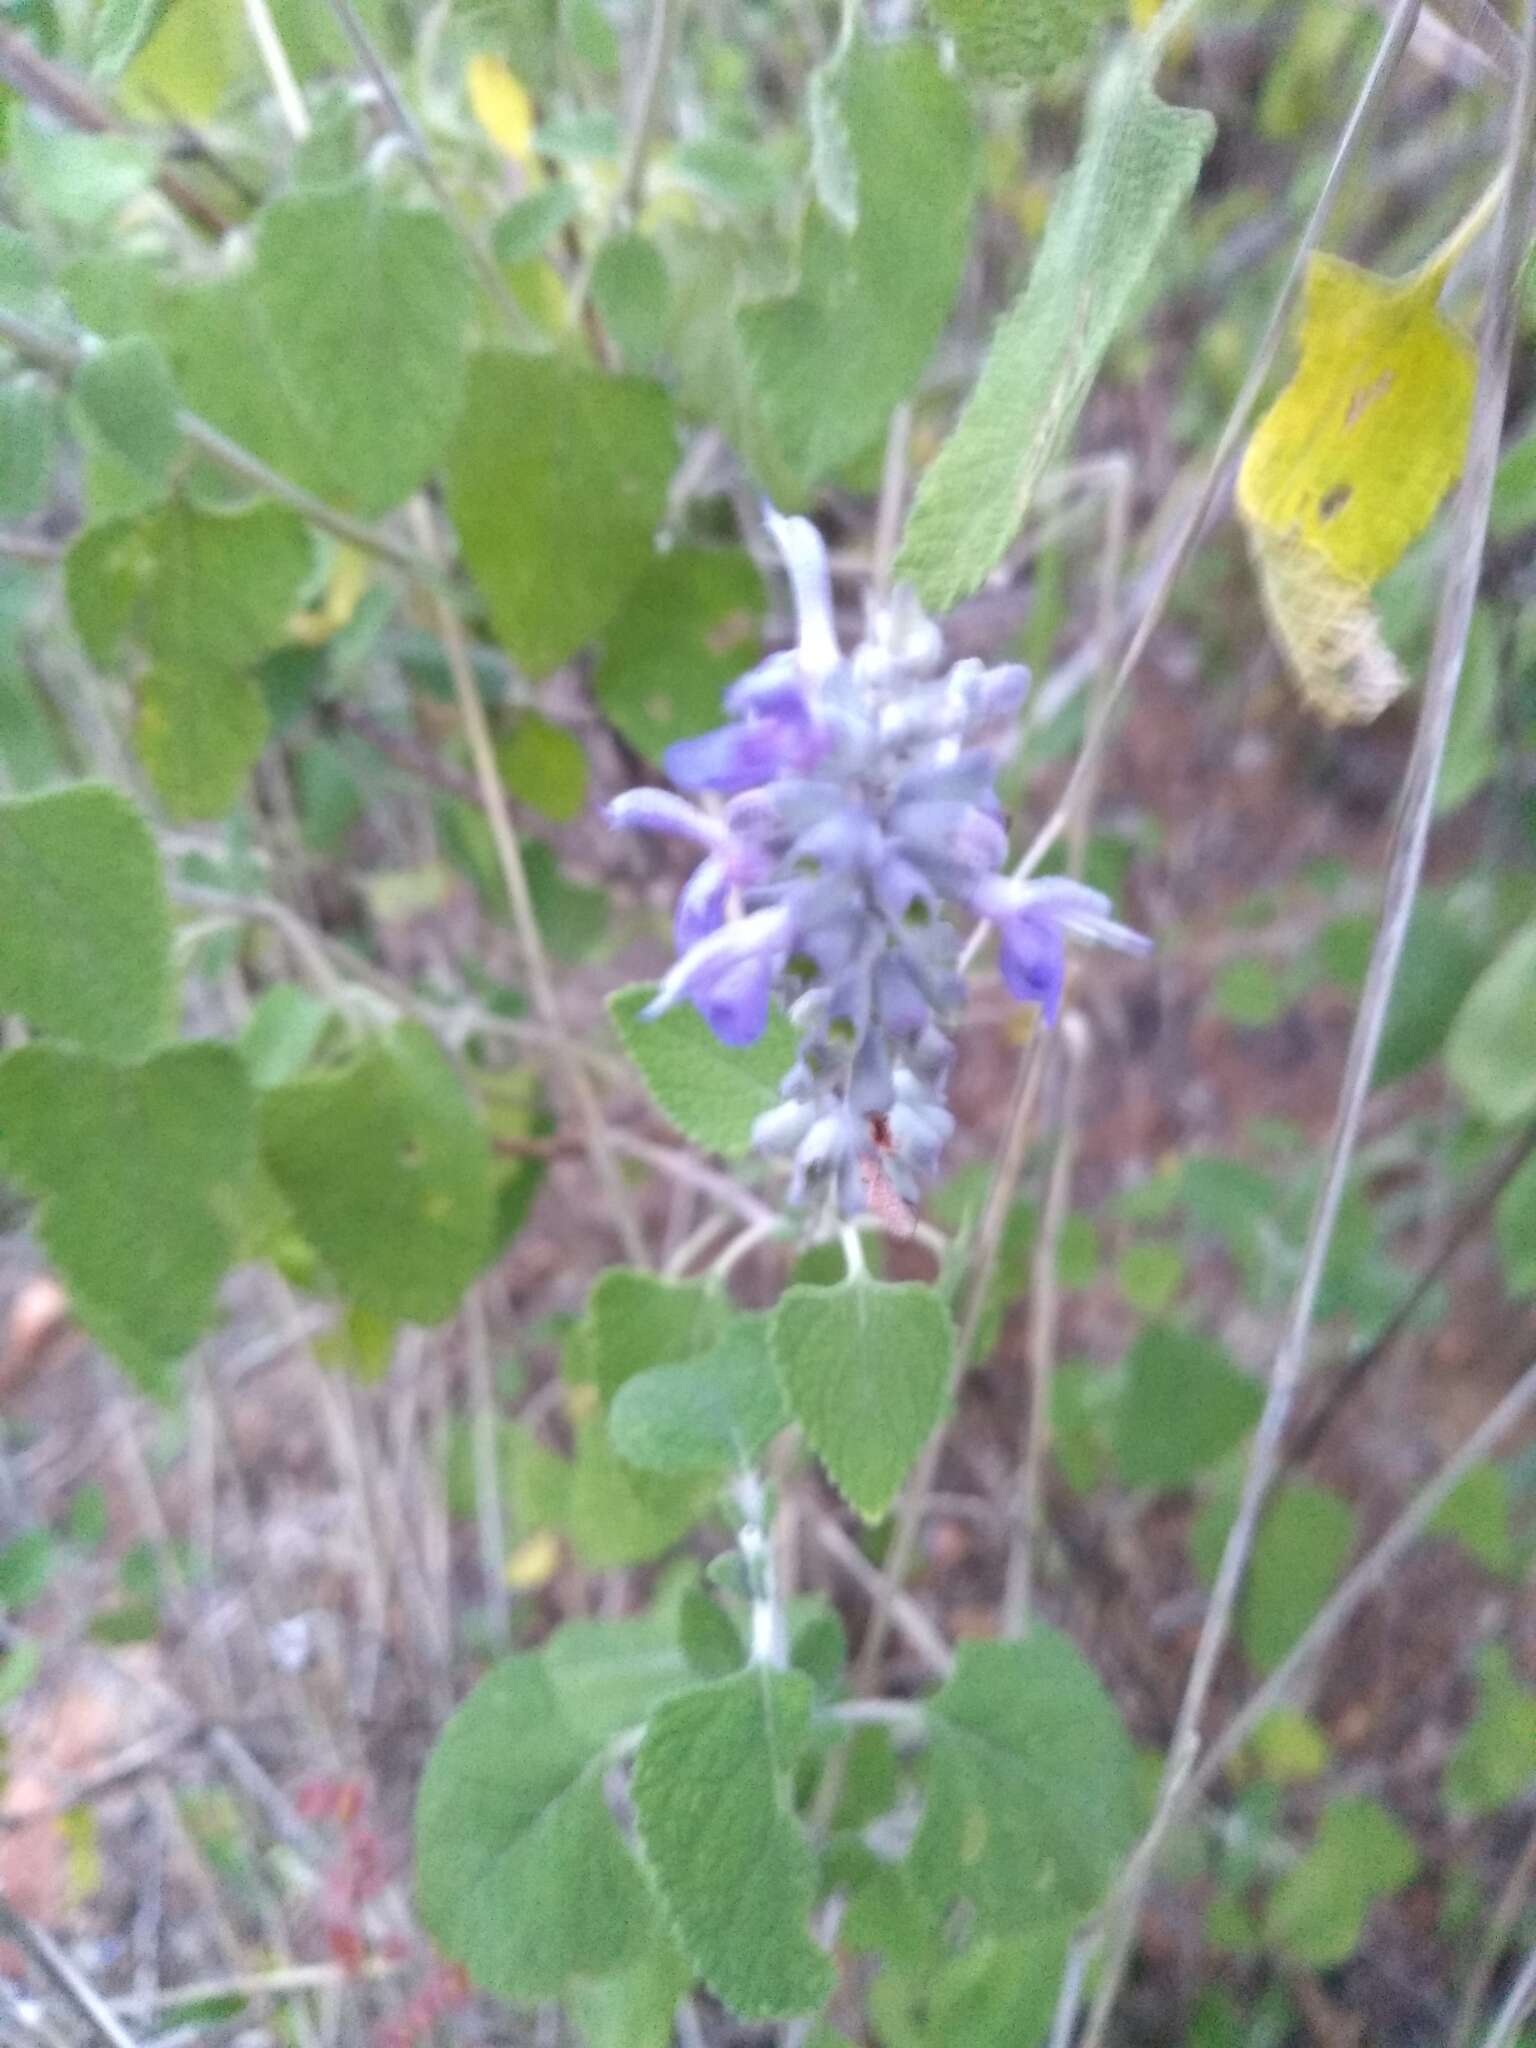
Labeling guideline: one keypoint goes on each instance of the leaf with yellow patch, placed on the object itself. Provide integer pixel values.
(500, 102)
(1326, 624)
(1354, 456)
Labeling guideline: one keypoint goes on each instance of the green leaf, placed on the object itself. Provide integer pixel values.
(281, 1034)
(125, 393)
(632, 2008)
(866, 1368)
(529, 224)
(734, 1871)
(712, 1412)
(85, 927)
(1304, 1538)
(713, 1093)
(1031, 1783)
(28, 437)
(637, 1321)
(829, 362)
(522, 1875)
(1476, 1513)
(195, 589)
(995, 1994)
(1150, 1276)
(1491, 1051)
(365, 303)
(1441, 959)
(26, 1565)
(629, 291)
(1495, 1760)
(686, 629)
(557, 481)
(388, 1171)
(199, 735)
(1288, 1747)
(1515, 1228)
(119, 30)
(1184, 1406)
(544, 767)
(1471, 744)
(1248, 992)
(616, 1514)
(1136, 167)
(1010, 42)
(82, 180)
(140, 1172)
(608, 1676)
(1317, 1912)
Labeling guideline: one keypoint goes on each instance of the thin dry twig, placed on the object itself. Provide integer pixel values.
(1516, 2008)
(509, 858)
(61, 1972)
(1511, 1904)
(1469, 525)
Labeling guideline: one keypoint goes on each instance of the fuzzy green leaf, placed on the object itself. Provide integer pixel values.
(29, 414)
(866, 1369)
(686, 629)
(714, 1093)
(1136, 168)
(197, 590)
(709, 1413)
(638, 1321)
(1010, 42)
(1317, 1913)
(829, 362)
(387, 1169)
(126, 395)
(1031, 1783)
(199, 736)
(1304, 1538)
(365, 304)
(1184, 1406)
(734, 1872)
(85, 927)
(1491, 1051)
(140, 1172)
(1515, 1227)
(557, 481)
(1495, 1760)
(522, 1875)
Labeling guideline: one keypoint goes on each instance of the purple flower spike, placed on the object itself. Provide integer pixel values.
(860, 818)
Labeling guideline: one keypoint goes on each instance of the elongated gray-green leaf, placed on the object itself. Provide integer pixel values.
(1137, 166)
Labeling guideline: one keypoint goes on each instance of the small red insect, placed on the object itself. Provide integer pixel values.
(879, 1192)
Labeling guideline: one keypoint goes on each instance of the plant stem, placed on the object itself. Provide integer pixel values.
(1511, 1904)
(1517, 2007)
(1024, 1498)
(56, 1966)
(489, 1513)
(661, 37)
(769, 1643)
(409, 129)
(1439, 264)
(482, 752)
(274, 59)
(1468, 535)
(909, 1515)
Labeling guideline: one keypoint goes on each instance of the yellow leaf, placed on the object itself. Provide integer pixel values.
(534, 1562)
(1325, 623)
(351, 573)
(499, 101)
(1350, 462)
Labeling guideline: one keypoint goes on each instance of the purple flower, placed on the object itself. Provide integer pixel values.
(1034, 920)
(729, 974)
(860, 820)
